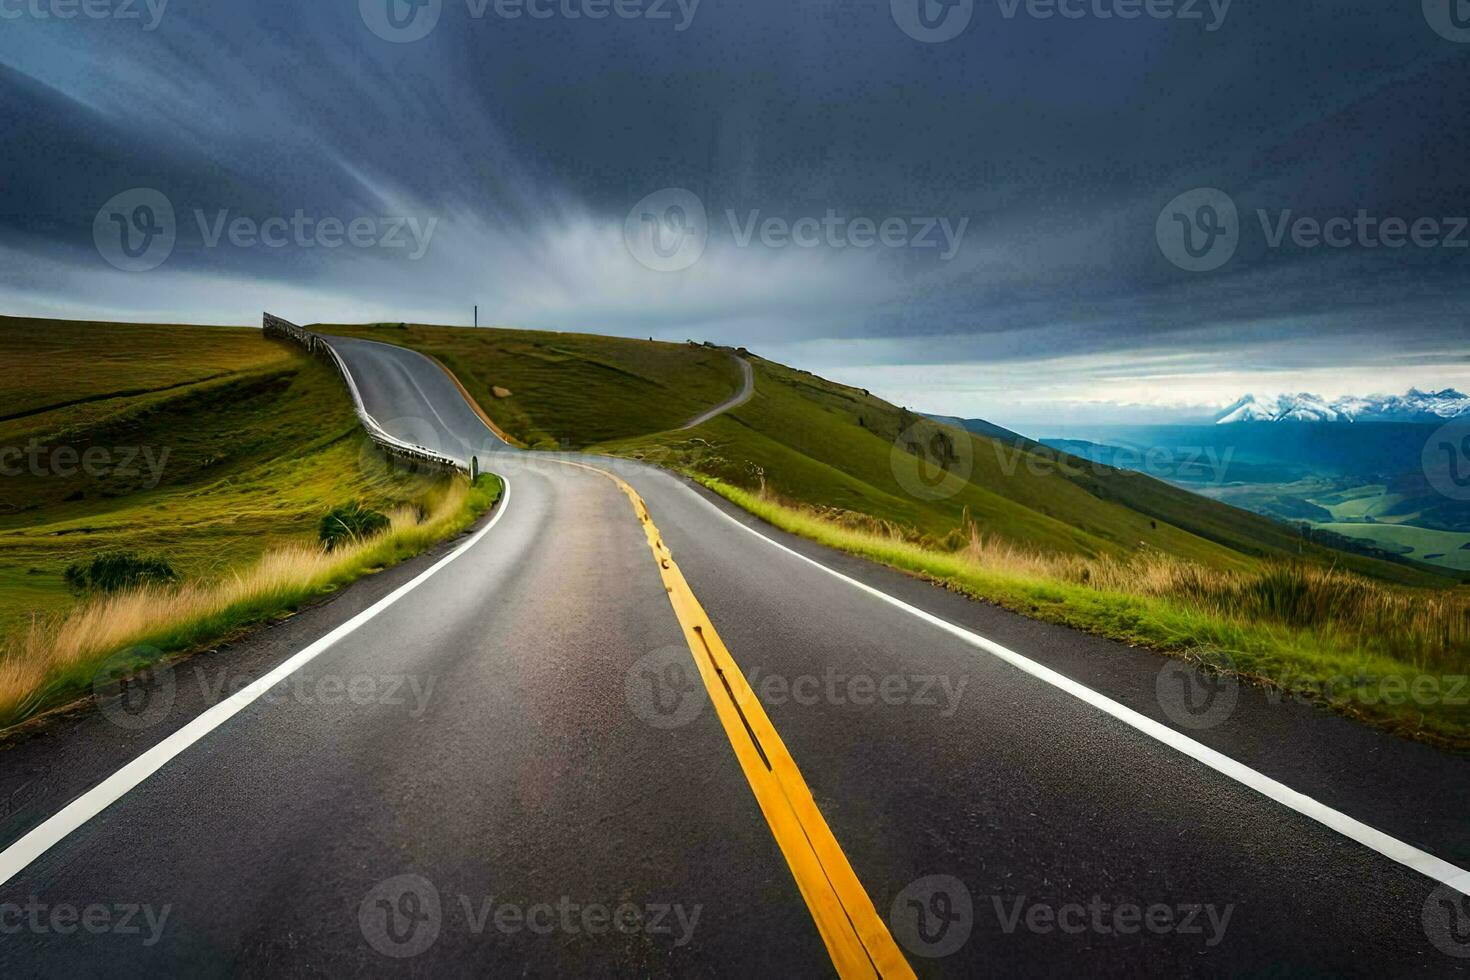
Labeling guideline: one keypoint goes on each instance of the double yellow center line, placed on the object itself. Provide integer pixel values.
(856, 937)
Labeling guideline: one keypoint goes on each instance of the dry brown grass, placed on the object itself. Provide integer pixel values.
(1430, 630)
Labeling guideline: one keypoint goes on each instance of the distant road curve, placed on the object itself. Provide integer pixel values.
(747, 388)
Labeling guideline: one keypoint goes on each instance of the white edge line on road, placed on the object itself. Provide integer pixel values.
(1390, 847)
(18, 856)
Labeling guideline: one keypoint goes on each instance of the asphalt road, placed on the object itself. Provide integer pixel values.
(488, 775)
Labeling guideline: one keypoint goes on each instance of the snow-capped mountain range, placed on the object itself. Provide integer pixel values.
(1412, 406)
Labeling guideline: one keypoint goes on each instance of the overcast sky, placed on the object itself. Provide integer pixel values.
(987, 224)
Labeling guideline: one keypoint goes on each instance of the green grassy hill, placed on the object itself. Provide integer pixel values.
(565, 390)
(208, 447)
(830, 446)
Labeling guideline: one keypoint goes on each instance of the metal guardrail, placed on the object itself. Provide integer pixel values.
(317, 345)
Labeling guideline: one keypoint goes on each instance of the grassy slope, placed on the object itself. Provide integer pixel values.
(820, 443)
(261, 441)
(571, 390)
(829, 445)
(56, 362)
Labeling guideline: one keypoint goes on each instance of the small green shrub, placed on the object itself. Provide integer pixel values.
(350, 522)
(116, 570)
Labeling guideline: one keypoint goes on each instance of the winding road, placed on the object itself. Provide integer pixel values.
(747, 389)
(594, 739)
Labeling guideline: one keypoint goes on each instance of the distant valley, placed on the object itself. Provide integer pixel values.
(1361, 484)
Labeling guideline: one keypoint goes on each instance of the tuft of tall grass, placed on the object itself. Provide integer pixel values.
(1429, 630)
(56, 658)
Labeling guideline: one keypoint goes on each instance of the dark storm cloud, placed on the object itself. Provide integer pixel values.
(526, 141)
